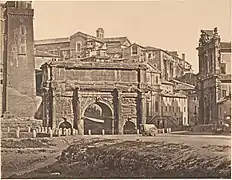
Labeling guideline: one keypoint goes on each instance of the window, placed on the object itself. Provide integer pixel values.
(1, 69)
(149, 55)
(22, 30)
(22, 49)
(173, 109)
(134, 50)
(166, 109)
(78, 47)
(28, 5)
(1, 81)
(184, 109)
(223, 68)
(170, 109)
(185, 120)
(195, 109)
(178, 109)
(22, 40)
(157, 79)
(224, 93)
(156, 106)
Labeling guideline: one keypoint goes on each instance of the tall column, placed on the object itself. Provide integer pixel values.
(112, 121)
(118, 121)
(143, 108)
(53, 125)
(78, 120)
(44, 102)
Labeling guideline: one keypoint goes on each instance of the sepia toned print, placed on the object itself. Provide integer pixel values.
(93, 102)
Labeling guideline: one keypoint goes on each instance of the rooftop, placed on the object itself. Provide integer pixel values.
(226, 45)
(51, 41)
(115, 39)
(39, 53)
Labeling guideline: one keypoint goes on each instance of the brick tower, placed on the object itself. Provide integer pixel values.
(18, 60)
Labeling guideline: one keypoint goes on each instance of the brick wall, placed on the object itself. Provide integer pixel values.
(19, 62)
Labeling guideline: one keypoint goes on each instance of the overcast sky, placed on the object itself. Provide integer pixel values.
(167, 24)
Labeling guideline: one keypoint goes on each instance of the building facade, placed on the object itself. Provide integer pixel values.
(162, 66)
(70, 88)
(214, 82)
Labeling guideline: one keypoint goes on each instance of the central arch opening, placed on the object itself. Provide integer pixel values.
(98, 117)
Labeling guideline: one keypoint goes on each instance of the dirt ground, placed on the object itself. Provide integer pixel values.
(124, 157)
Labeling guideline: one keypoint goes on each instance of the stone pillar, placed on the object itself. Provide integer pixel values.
(44, 102)
(112, 121)
(89, 132)
(46, 129)
(34, 133)
(17, 132)
(143, 108)
(50, 133)
(29, 129)
(53, 123)
(78, 120)
(118, 112)
(59, 132)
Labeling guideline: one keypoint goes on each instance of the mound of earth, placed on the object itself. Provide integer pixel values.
(135, 159)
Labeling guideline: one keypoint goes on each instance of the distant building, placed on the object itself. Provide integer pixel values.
(193, 104)
(169, 63)
(214, 83)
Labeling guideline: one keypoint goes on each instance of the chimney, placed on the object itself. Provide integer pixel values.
(100, 33)
(183, 56)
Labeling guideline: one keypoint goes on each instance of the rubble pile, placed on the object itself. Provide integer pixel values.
(130, 159)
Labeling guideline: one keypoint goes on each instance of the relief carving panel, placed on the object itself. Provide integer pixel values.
(64, 109)
(128, 108)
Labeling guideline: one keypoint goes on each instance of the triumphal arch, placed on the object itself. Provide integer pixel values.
(70, 88)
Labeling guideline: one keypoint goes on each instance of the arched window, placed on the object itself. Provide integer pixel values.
(22, 30)
(78, 46)
(134, 50)
(22, 40)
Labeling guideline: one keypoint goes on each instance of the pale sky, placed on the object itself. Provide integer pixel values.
(167, 24)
